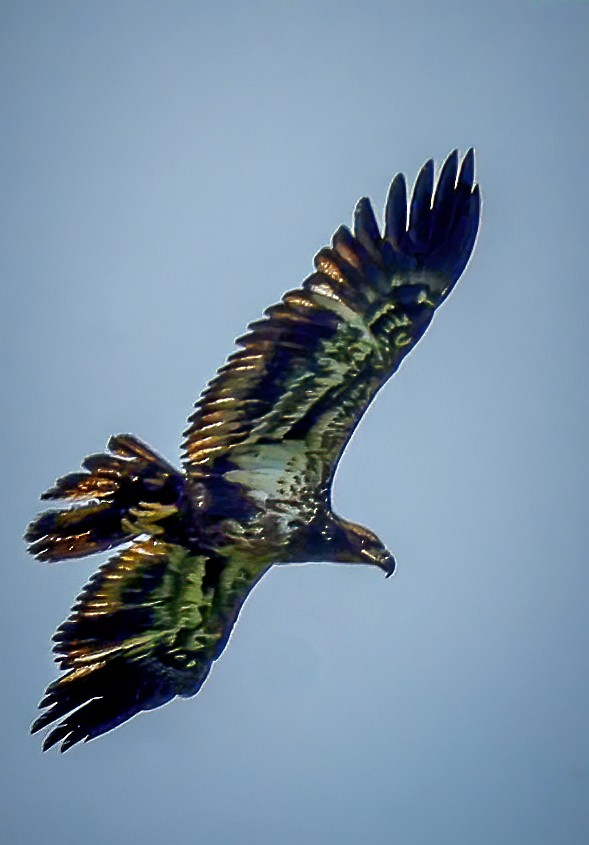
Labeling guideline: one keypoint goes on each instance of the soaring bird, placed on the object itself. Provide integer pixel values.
(259, 457)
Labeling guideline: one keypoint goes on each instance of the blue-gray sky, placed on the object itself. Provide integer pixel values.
(169, 169)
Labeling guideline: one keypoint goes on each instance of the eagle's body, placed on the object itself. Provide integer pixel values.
(260, 454)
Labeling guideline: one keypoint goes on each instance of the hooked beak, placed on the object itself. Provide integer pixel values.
(388, 565)
(383, 559)
(386, 562)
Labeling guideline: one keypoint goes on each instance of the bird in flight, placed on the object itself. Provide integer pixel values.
(259, 457)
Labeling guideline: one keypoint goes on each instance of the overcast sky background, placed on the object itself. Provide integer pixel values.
(170, 169)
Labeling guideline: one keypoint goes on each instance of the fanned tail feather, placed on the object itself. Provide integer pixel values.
(121, 494)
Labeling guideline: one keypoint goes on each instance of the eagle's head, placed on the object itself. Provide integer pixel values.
(358, 544)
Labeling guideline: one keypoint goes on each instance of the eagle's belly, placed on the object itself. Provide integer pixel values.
(257, 502)
(266, 538)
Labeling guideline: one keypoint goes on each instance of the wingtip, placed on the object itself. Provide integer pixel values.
(420, 206)
(58, 734)
(366, 228)
(467, 169)
(35, 726)
(427, 170)
(69, 740)
(396, 211)
(422, 189)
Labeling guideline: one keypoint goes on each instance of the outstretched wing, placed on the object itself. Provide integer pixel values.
(278, 415)
(146, 628)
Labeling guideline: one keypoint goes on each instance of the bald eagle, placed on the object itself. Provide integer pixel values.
(259, 456)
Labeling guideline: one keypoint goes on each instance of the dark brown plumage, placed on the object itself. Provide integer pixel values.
(260, 454)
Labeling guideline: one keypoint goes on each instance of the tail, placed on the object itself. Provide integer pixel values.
(123, 493)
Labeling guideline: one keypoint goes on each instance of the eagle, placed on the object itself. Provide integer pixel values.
(258, 462)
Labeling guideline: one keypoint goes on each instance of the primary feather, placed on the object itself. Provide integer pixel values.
(259, 458)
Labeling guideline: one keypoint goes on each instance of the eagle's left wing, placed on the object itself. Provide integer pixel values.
(278, 415)
(146, 628)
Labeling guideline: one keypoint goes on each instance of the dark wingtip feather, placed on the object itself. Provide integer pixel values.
(450, 164)
(69, 740)
(466, 175)
(365, 224)
(453, 254)
(38, 724)
(470, 231)
(396, 213)
(54, 736)
(421, 201)
(446, 179)
(443, 222)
